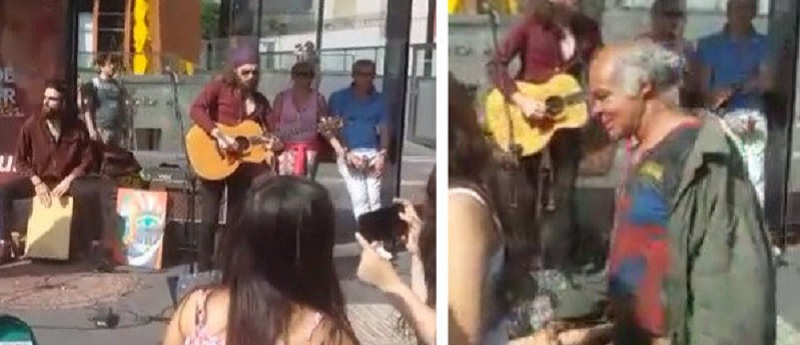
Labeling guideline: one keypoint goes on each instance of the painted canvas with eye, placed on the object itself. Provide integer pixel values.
(140, 228)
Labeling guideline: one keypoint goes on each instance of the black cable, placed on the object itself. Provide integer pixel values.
(108, 318)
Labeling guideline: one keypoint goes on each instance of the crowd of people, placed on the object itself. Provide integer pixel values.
(279, 284)
(689, 259)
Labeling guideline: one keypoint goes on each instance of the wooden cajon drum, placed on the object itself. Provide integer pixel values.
(49, 230)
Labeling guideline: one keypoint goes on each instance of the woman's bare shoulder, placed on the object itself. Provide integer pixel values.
(209, 300)
(468, 203)
(332, 332)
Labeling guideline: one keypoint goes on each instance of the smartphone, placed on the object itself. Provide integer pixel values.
(382, 225)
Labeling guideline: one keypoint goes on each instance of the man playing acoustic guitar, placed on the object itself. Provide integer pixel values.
(553, 38)
(228, 100)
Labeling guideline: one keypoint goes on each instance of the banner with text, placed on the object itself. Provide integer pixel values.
(33, 36)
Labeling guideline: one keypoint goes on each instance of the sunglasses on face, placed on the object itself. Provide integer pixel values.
(248, 72)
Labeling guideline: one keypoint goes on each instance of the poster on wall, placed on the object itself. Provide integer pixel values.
(142, 221)
(33, 37)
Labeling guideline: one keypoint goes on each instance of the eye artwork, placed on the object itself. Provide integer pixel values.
(142, 225)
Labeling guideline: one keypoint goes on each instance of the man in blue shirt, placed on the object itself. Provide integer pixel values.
(361, 147)
(734, 76)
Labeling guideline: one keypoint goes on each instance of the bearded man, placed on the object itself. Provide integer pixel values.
(228, 100)
(53, 156)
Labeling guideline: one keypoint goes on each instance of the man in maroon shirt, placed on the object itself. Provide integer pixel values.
(53, 156)
(554, 37)
(229, 100)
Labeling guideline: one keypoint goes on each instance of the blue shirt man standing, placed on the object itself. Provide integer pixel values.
(361, 147)
(735, 74)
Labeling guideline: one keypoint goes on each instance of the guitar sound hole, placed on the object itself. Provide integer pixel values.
(242, 143)
(554, 106)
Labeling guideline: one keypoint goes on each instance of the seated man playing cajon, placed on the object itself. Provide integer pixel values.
(53, 154)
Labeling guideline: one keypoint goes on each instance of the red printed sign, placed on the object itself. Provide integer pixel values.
(33, 36)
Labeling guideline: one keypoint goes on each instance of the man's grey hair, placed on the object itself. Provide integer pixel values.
(648, 62)
(363, 63)
(752, 3)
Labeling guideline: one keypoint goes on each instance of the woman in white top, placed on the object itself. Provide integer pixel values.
(482, 267)
(476, 251)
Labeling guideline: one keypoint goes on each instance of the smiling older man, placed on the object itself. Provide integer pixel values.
(689, 261)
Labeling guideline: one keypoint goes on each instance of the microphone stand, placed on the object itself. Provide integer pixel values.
(188, 175)
(512, 149)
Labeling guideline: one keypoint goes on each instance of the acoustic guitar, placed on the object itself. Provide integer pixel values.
(253, 146)
(565, 106)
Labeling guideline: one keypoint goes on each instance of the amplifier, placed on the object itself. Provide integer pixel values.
(179, 201)
(168, 175)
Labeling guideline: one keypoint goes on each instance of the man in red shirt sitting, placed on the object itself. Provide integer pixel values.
(53, 156)
(228, 100)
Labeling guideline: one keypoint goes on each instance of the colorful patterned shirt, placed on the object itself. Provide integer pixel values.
(639, 257)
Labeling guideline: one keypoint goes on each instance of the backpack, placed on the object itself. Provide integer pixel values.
(14, 331)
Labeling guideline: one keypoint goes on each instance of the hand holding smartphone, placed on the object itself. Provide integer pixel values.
(386, 225)
(382, 225)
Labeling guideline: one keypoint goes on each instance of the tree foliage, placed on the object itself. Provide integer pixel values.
(209, 18)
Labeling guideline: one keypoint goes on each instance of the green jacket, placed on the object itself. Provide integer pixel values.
(721, 285)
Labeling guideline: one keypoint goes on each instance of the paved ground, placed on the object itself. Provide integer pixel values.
(788, 299)
(375, 322)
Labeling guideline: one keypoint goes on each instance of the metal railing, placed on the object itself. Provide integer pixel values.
(340, 60)
(335, 60)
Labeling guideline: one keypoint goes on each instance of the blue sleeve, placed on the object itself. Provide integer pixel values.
(769, 50)
(383, 112)
(704, 51)
(335, 104)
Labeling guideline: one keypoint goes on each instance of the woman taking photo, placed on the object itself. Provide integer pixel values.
(295, 118)
(417, 303)
(279, 284)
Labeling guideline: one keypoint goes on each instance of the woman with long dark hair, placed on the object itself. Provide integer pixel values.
(476, 244)
(279, 284)
(416, 303)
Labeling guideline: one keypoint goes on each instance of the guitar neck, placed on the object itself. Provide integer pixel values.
(575, 97)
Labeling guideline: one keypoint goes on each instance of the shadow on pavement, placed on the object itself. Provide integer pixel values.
(38, 268)
(345, 226)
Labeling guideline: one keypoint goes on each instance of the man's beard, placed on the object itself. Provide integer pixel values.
(50, 113)
(247, 86)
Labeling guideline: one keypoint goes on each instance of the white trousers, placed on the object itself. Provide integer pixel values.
(364, 190)
(752, 144)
